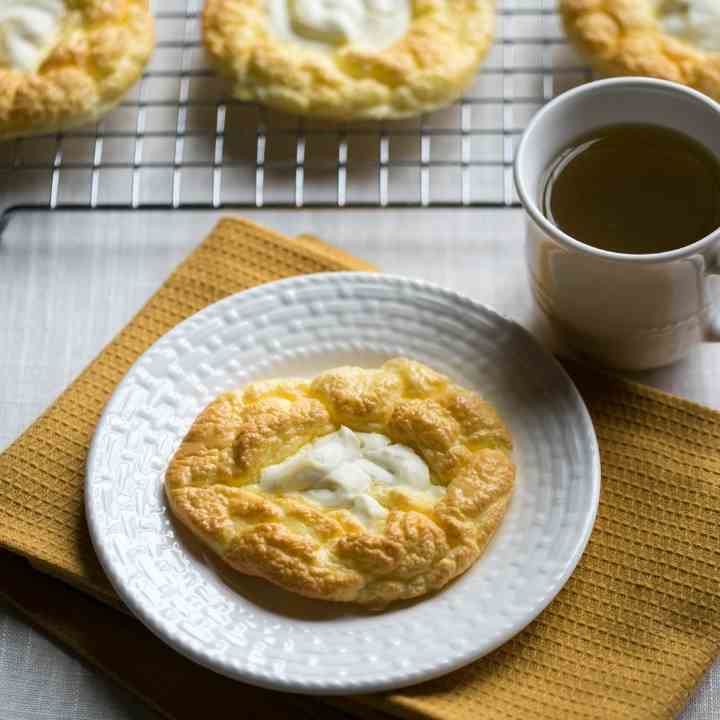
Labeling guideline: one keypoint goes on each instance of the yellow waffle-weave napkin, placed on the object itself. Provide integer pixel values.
(628, 637)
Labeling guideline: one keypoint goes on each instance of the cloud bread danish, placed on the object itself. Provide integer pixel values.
(349, 60)
(364, 486)
(65, 63)
(676, 40)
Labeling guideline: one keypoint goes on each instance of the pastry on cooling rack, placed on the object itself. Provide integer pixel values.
(361, 485)
(349, 59)
(67, 62)
(675, 40)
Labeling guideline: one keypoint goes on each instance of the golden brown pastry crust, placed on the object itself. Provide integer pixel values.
(624, 37)
(428, 68)
(212, 488)
(103, 49)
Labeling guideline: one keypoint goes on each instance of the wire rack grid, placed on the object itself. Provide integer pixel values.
(178, 141)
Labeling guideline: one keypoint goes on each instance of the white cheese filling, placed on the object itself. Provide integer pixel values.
(326, 24)
(29, 30)
(341, 470)
(694, 21)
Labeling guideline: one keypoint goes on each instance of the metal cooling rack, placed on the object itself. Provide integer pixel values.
(177, 141)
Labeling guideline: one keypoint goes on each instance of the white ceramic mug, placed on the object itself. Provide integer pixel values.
(625, 311)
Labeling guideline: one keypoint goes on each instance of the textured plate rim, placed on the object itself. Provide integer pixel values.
(406, 677)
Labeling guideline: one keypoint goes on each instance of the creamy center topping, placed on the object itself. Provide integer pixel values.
(29, 30)
(373, 24)
(342, 469)
(695, 21)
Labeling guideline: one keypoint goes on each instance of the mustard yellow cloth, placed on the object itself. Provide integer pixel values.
(628, 637)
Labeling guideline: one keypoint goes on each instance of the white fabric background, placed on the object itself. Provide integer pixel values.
(70, 281)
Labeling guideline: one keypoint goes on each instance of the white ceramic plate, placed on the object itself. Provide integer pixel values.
(259, 634)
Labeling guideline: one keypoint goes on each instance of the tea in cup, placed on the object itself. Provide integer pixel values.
(620, 181)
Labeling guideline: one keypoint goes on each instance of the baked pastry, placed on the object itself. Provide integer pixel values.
(349, 59)
(675, 40)
(361, 485)
(65, 63)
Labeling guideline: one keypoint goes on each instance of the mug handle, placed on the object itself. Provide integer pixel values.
(712, 332)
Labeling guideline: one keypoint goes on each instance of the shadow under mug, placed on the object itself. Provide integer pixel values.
(626, 311)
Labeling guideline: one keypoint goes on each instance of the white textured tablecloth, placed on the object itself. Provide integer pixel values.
(70, 281)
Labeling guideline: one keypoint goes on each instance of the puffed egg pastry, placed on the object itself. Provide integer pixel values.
(676, 40)
(360, 485)
(348, 59)
(65, 63)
